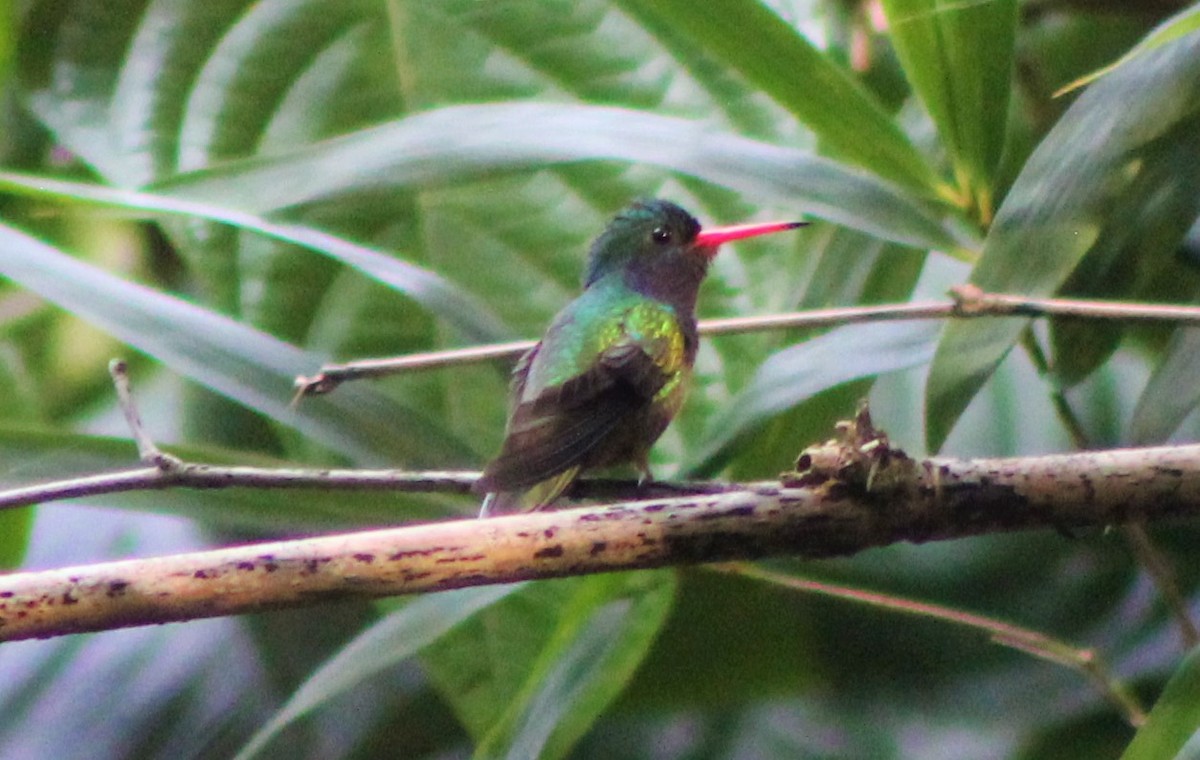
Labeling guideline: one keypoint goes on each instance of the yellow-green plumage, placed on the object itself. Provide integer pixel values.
(613, 368)
(598, 390)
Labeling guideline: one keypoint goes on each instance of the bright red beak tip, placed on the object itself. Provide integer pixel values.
(717, 235)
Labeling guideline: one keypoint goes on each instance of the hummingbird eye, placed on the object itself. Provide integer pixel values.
(661, 235)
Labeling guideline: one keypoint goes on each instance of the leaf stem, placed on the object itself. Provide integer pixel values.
(1031, 642)
(1148, 554)
(1158, 567)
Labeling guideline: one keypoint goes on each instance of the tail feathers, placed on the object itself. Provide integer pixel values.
(535, 497)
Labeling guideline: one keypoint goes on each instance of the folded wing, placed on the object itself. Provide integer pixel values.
(564, 424)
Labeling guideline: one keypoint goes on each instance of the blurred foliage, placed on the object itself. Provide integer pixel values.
(234, 191)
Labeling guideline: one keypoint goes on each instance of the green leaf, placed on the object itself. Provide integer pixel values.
(250, 70)
(136, 90)
(1148, 267)
(72, 56)
(159, 66)
(850, 267)
(1172, 392)
(1177, 26)
(426, 288)
(1125, 146)
(696, 662)
(531, 672)
(959, 58)
(465, 142)
(586, 663)
(393, 639)
(752, 39)
(1170, 732)
(728, 93)
(7, 45)
(15, 528)
(244, 364)
(805, 369)
(107, 88)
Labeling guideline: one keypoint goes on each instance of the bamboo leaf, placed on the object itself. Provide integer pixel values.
(462, 142)
(751, 38)
(1174, 724)
(1177, 26)
(1105, 164)
(528, 676)
(1171, 393)
(586, 663)
(244, 364)
(959, 58)
(395, 638)
(426, 288)
(805, 369)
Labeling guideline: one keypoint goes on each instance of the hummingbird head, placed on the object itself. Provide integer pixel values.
(660, 250)
(646, 237)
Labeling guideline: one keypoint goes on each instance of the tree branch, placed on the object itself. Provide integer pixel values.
(163, 470)
(847, 496)
(183, 474)
(967, 302)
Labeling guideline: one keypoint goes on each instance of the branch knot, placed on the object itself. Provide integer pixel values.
(861, 460)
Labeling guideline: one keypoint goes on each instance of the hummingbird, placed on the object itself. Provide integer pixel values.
(613, 367)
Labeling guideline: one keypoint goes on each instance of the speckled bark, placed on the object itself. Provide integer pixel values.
(850, 496)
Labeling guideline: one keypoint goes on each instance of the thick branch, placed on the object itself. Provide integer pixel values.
(852, 496)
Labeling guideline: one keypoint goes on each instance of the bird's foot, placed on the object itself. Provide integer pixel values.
(488, 508)
(645, 477)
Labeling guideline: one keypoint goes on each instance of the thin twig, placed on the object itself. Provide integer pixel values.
(1031, 642)
(333, 375)
(968, 302)
(1062, 406)
(212, 476)
(209, 476)
(168, 471)
(148, 451)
